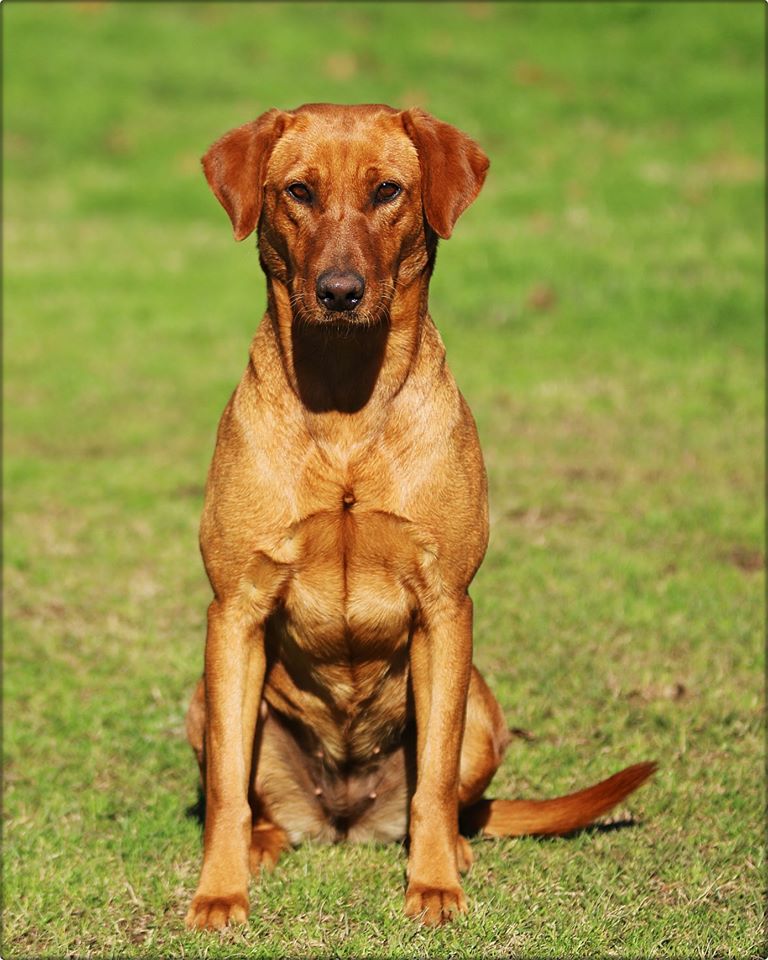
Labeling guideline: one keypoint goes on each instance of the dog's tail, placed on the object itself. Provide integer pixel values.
(517, 818)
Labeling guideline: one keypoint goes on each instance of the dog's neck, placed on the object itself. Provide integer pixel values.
(346, 368)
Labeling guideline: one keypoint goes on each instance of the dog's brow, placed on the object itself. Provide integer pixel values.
(301, 172)
(378, 172)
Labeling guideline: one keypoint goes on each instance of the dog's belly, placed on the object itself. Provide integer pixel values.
(311, 798)
(338, 645)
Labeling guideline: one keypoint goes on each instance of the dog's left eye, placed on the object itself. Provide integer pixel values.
(386, 191)
(300, 192)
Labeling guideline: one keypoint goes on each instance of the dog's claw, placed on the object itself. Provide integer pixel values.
(432, 906)
(214, 913)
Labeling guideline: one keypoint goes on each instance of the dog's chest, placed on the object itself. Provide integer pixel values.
(338, 644)
(353, 584)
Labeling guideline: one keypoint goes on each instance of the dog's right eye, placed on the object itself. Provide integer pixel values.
(300, 192)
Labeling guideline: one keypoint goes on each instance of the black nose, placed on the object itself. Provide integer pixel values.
(340, 290)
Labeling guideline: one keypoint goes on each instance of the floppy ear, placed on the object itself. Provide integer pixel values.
(453, 169)
(236, 165)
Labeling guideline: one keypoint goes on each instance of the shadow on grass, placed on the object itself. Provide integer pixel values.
(592, 829)
(196, 810)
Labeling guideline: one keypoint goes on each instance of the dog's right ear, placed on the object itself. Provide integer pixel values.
(236, 165)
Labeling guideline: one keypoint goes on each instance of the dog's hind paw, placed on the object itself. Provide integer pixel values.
(214, 913)
(267, 843)
(432, 906)
(464, 855)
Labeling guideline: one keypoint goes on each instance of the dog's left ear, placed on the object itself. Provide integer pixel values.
(453, 169)
(236, 165)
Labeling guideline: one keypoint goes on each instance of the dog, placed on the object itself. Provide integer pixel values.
(345, 517)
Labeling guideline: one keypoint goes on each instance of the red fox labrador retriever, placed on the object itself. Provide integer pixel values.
(345, 517)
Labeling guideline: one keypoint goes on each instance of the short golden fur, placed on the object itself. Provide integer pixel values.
(345, 517)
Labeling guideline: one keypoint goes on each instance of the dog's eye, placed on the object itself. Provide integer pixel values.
(386, 191)
(300, 192)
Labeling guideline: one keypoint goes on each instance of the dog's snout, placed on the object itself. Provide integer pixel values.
(340, 290)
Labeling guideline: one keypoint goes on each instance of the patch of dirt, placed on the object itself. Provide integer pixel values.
(747, 559)
(537, 517)
(672, 691)
(591, 474)
(541, 298)
(530, 74)
(341, 66)
(193, 490)
(522, 734)
(478, 10)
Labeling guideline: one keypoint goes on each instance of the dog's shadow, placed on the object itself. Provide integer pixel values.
(196, 810)
(593, 829)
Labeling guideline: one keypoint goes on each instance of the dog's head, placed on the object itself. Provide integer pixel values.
(348, 201)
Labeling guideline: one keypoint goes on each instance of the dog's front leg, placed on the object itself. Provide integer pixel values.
(440, 661)
(234, 677)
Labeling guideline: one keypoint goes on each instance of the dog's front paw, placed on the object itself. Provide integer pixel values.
(432, 906)
(213, 913)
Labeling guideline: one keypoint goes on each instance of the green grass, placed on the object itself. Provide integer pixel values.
(602, 306)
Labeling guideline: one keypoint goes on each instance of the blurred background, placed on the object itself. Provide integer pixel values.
(602, 306)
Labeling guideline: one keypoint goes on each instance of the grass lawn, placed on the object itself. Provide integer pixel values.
(602, 305)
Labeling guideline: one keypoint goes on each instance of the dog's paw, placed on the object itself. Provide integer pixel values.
(432, 906)
(464, 856)
(267, 843)
(214, 913)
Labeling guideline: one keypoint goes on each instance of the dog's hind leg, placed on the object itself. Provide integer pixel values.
(267, 843)
(268, 840)
(195, 725)
(485, 738)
